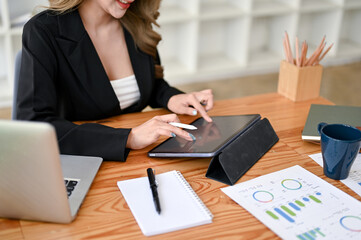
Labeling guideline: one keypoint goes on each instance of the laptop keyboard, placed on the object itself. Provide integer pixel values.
(70, 185)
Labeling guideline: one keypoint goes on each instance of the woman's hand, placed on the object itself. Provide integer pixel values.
(149, 132)
(192, 103)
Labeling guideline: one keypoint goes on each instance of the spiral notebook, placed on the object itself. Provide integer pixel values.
(181, 206)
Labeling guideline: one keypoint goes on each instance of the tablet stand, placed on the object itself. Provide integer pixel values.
(241, 154)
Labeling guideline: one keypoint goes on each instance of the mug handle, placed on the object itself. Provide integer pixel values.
(320, 126)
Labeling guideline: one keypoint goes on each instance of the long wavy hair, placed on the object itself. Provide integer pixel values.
(138, 20)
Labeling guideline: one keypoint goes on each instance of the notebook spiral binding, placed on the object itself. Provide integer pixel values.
(193, 193)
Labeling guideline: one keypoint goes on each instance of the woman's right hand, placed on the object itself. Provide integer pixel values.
(150, 131)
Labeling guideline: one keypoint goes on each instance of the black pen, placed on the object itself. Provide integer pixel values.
(153, 186)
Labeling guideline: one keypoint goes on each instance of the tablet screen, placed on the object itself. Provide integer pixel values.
(210, 137)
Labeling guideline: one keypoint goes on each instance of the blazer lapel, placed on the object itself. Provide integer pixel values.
(85, 62)
(142, 67)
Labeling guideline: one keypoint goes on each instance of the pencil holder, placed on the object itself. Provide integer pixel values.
(299, 83)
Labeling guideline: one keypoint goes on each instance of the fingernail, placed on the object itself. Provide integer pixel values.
(194, 112)
(193, 137)
(173, 134)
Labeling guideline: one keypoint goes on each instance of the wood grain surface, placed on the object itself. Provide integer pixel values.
(105, 214)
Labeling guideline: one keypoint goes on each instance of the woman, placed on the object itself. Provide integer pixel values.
(93, 59)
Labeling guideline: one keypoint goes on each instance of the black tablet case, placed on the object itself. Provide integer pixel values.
(241, 154)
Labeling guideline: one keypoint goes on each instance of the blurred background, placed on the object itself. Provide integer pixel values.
(231, 46)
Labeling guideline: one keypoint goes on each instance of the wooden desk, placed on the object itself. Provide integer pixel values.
(105, 214)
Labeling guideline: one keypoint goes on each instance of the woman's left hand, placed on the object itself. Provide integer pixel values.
(192, 103)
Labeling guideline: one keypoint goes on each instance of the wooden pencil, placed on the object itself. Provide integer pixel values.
(290, 57)
(311, 60)
(285, 50)
(301, 56)
(297, 54)
(323, 55)
(314, 59)
(305, 55)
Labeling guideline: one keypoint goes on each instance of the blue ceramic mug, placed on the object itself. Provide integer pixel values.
(340, 145)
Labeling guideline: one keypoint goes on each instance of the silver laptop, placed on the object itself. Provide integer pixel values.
(36, 182)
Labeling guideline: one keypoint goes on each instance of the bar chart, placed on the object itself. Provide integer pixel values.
(289, 210)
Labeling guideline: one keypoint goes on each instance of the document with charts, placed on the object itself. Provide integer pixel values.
(296, 204)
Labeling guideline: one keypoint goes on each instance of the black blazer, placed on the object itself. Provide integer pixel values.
(62, 80)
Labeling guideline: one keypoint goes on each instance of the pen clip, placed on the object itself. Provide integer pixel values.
(151, 177)
(155, 180)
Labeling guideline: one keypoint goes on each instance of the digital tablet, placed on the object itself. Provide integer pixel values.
(211, 138)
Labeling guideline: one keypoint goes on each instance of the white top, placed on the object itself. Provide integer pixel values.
(127, 91)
